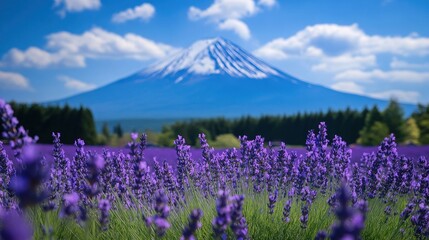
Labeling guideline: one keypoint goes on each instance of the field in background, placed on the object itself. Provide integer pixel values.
(169, 154)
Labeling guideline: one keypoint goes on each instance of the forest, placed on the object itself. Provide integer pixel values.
(366, 127)
(42, 121)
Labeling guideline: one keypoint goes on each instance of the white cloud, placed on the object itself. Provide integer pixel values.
(334, 40)
(75, 84)
(145, 12)
(224, 9)
(350, 87)
(398, 64)
(239, 27)
(11, 80)
(391, 76)
(351, 57)
(401, 96)
(72, 50)
(227, 14)
(39, 58)
(77, 5)
(335, 47)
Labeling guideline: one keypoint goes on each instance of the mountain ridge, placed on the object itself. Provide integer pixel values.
(211, 78)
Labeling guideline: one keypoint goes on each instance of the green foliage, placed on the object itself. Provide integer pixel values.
(86, 126)
(424, 131)
(373, 116)
(73, 123)
(225, 141)
(346, 123)
(393, 117)
(422, 119)
(102, 140)
(166, 139)
(411, 131)
(127, 223)
(373, 134)
(380, 124)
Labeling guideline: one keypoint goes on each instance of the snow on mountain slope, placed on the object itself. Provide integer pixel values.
(212, 56)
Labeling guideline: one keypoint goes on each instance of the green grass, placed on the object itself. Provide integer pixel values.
(128, 224)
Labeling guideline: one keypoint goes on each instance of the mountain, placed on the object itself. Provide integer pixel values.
(212, 78)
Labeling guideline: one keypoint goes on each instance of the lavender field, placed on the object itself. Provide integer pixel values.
(169, 154)
(325, 191)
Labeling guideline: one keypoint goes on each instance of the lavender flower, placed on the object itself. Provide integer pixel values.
(362, 207)
(7, 171)
(27, 184)
(321, 235)
(405, 214)
(94, 167)
(13, 226)
(388, 210)
(238, 221)
(272, 199)
(6, 167)
(223, 219)
(350, 221)
(304, 215)
(61, 169)
(194, 225)
(15, 134)
(286, 210)
(104, 208)
(184, 165)
(79, 171)
(420, 221)
(340, 158)
(162, 211)
(72, 209)
(70, 205)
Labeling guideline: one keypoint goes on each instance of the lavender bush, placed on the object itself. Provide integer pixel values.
(255, 192)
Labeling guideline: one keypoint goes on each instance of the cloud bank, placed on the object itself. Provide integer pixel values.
(351, 57)
(72, 50)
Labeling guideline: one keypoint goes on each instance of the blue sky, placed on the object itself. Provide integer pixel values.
(53, 49)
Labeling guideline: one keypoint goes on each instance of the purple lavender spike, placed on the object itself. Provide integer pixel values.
(104, 208)
(193, 226)
(223, 219)
(13, 226)
(27, 184)
(15, 134)
(238, 221)
(162, 212)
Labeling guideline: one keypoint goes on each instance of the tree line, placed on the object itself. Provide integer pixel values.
(72, 123)
(366, 127)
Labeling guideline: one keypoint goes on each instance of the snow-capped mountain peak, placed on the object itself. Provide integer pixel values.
(212, 56)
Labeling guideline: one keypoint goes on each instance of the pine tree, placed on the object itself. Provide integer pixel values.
(393, 116)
